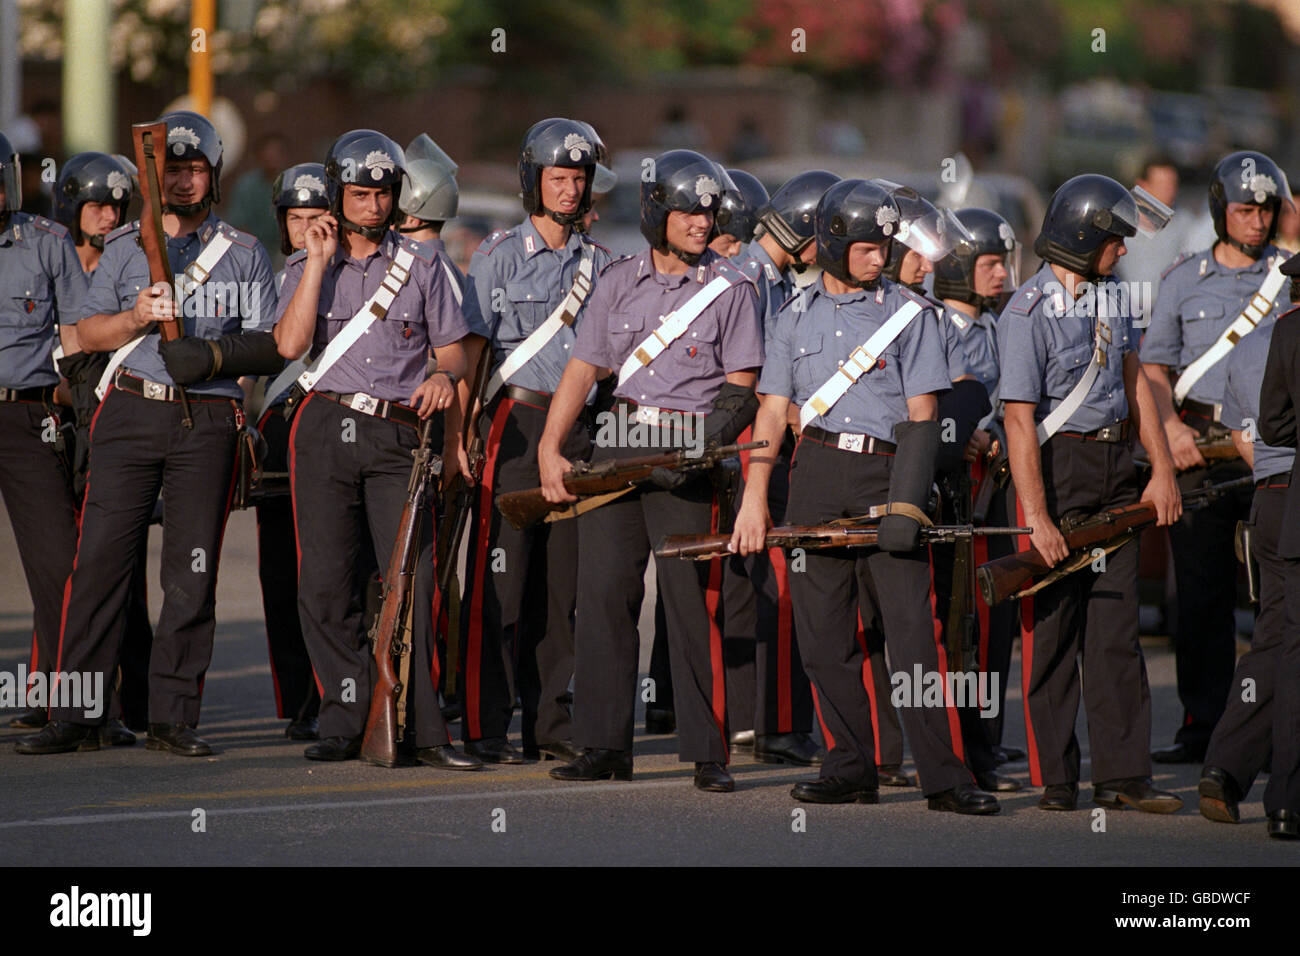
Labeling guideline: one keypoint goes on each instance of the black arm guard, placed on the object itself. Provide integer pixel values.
(910, 479)
(963, 406)
(734, 409)
(191, 359)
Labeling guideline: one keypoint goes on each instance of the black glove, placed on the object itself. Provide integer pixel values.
(667, 479)
(188, 359)
(910, 476)
(734, 408)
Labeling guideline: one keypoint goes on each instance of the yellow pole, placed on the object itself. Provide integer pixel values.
(88, 80)
(203, 23)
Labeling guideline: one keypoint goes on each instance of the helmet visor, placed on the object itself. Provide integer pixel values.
(1151, 215)
(424, 148)
(934, 234)
(11, 175)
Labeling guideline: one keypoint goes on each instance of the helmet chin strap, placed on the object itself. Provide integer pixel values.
(373, 233)
(96, 242)
(1253, 251)
(564, 218)
(188, 209)
(420, 226)
(690, 258)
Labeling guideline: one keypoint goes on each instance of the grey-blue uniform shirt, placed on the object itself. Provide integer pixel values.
(1241, 398)
(239, 295)
(1198, 300)
(980, 337)
(807, 349)
(41, 283)
(453, 271)
(1046, 343)
(774, 285)
(954, 348)
(389, 361)
(515, 282)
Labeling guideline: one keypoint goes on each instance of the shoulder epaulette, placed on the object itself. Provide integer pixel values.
(297, 257)
(959, 320)
(424, 251)
(914, 296)
(49, 225)
(590, 241)
(237, 236)
(615, 261)
(1023, 302)
(120, 231)
(1178, 262)
(726, 270)
(494, 239)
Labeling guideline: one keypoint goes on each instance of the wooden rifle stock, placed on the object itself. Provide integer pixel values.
(1005, 577)
(702, 547)
(523, 508)
(392, 633)
(150, 141)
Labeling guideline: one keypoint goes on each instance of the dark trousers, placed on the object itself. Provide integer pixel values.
(1088, 612)
(521, 589)
(828, 483)
(296, 696)
(1243, 738)
(1283, 789)
(1205, 570)
(130, 698)
(615, 541)
(345, 469)
(886, 731)
(140, 448)
(1000, 624)
(37, 491)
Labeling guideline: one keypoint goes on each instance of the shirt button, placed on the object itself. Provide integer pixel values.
(626, 326)
(367, 361)
(652, 371)
(330, 315)
(1202, 313)
(847, 419)
(838, 333)
(801, 349)
(643, 398)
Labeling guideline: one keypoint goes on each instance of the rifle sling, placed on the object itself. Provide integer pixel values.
(404, 665)
(583, 505)
(1073, 564)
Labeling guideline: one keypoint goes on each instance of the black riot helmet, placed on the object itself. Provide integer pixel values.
(11, 175)
(684, 181)
(990, 234)
(191, 136)
(853, 210)
(1085, 212)
(788, 215)
(922, 227)
(1252, 178)
(298, 187)
(91, 177)
(559, 142)
(738, 214)
(364, 157)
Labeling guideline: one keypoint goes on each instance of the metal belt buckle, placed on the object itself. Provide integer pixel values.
(364, 403)
(155, 390)
(8, 394)
(647, 415)
(856, 443)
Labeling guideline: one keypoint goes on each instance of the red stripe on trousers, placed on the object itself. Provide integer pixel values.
(1026, 668)
(978, 469)
(817, 706)
(293, 500)
(869, 682)
(712, 598)
(784, 642)
(954, 723)
(474, 641)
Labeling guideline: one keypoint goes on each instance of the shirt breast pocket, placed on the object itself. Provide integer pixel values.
(405, 319)
(1066, 368)
(809, 362)
(528, 302)
(1202, 324)
(28, 307)
(626, 330)
(698, 344)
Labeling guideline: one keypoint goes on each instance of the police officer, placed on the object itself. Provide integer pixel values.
(352, 437)
(738, 214)
(970, 281)
(429, 197)
(1277, 426)
(1200, 297)
(143, 442)
(1242, 741)
(91, 198)
(704, 369)
(527, 287)
(844, 465)
(41, 285)
(1071, 382)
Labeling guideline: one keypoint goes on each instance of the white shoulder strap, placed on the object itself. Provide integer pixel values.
(452, 278)
(860, 361)
(672, 328)
(1261, 303)
(1053, 423)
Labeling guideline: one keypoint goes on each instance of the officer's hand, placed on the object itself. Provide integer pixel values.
(1047, 539)
(188, 359)
(434, 394)
(322, 237)
(153, 304)
(750, 533)
(667, 479)
(461, 458)
(553, 467)
(979, 444)
(1182, 445)
(1162, 491)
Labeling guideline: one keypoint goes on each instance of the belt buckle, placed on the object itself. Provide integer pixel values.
(853, 443)
(155, 390)
(647, 415)
(363, 403)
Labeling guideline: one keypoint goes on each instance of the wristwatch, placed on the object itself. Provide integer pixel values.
(452, 377)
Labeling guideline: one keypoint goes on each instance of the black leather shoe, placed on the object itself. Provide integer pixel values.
(60, 736)
(1007, 754)
(994, 782)
(834, 790)
(1284, 825)
(493, 750)
(1179, 753)
(559, 750)
(1137, 793)
(306, 729)
(334, 748)
(660, 721)
(891, 775)
(1219, 795)
(446, 758)
(597, 765)
(966, 798)
(797, 749)
(115, 734)
(742, 740)
(1059, 796)
(179, 739)
(33, 719)
(712, 777)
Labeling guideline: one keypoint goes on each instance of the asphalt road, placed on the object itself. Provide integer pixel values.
(261, 803)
